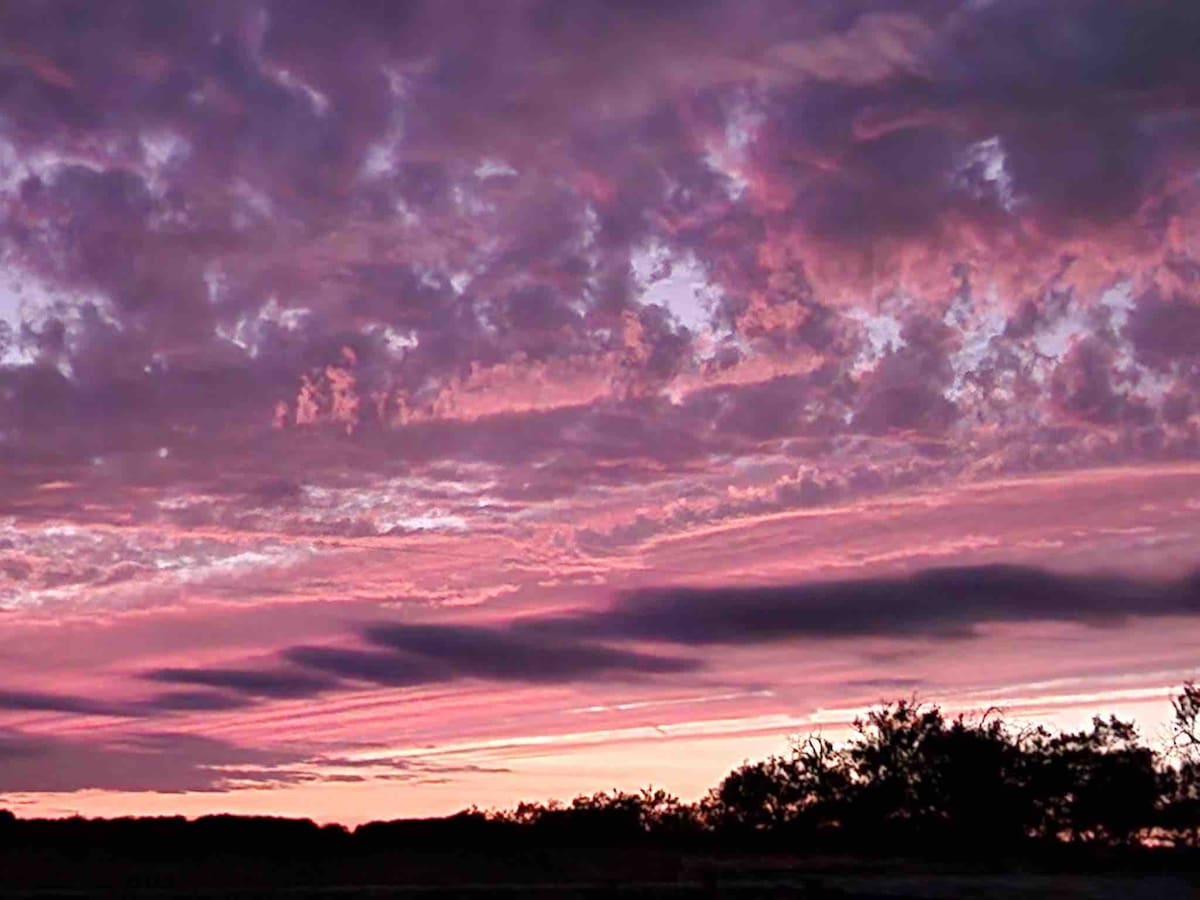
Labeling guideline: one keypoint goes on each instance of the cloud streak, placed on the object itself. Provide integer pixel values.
(277, 685)
(149, 761)
(938, 603)
(428, 654)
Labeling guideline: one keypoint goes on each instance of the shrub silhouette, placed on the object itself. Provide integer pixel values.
(919, 780)
(1095, 786)
(606, 818)
(912, 780)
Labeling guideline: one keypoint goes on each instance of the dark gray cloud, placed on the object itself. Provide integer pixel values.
(947, 602)
(150, 761)
(423, 654)
(502, 655)
(172, 762)
(38, 701)
(275, 684)
(160, 704)
(193, 701)
(378, 667)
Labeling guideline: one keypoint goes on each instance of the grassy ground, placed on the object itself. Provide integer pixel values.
(579, 874)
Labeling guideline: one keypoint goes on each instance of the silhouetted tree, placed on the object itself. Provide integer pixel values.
(664, 815)
(755, 797)
(822, 781)
(1094, 786)
(918, 779)
(912, 780)
(1186, 721)
(1180, 820)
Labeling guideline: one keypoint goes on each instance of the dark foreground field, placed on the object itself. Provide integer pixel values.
(1000, 888)
(601, 873)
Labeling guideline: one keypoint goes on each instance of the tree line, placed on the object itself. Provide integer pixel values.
(910, 781)
(913, 780)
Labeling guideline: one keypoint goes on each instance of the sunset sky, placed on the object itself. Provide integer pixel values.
(411, 405)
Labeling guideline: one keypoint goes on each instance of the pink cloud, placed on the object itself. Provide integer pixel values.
(311, 322)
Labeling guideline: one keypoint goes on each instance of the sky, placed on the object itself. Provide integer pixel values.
(406, 406)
